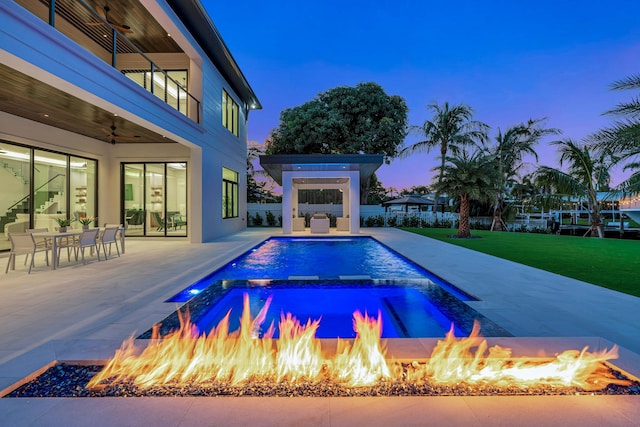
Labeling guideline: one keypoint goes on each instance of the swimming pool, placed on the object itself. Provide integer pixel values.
(322, 258)
(405, 312)
(329, 278)
(411, 308)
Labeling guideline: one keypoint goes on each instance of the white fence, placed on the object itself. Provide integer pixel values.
(372, 215)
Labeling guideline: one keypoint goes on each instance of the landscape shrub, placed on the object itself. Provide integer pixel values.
(257, 220)
(271, 219)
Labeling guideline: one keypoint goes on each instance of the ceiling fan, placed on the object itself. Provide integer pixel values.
(104, 14)
(114, 137)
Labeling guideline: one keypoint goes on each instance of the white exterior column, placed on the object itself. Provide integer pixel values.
(354, 202)
(346, 208)
(287, 202)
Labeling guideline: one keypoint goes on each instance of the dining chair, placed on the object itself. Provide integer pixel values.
(24, 244)
(158, 220)
(118, 233)
(109, 237)
(88, 239)
(41, 242)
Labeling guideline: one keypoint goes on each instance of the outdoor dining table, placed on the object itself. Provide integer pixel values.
(56, 236)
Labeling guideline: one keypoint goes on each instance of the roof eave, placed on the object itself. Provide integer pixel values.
(196, 19)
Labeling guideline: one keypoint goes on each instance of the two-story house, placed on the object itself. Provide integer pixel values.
(131, 111)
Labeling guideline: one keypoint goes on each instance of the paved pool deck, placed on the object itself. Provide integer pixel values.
(84, 312)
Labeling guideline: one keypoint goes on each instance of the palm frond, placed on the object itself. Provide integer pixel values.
(631, 108)
(563, 182)
(631, 82)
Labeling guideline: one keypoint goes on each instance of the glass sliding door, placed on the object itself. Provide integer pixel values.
(133, 199)
(38, 186)
(50, 189)
(155, 199)
(176, 202)
(83, 183)
(15, 175)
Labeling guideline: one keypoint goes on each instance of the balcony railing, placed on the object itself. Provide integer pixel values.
(85, 25)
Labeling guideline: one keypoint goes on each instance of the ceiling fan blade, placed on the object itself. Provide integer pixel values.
(101, 13)
(104, 14)
(126, 138)
(121, 28)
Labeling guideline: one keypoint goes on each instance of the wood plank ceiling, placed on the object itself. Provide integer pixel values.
(26, 97)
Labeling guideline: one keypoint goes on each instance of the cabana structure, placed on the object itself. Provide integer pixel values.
(344, 172)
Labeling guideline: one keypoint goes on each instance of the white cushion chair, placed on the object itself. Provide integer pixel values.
(24, 244)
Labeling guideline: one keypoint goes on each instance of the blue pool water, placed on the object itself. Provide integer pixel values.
(325, 258)
(329, 278)
(405, 312)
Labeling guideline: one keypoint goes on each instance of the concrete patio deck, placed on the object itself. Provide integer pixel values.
(84, 313)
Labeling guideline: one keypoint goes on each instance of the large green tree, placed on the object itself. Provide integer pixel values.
(343, 120)
(510, 149)
(468, 176)
(588, 173)
(449, 130)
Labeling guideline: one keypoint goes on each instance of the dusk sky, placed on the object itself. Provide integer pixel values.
(508, 60)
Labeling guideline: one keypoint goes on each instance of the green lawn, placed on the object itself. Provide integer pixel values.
(611, 263)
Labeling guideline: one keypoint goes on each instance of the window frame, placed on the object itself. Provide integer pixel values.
(230, 113)
(230, 195)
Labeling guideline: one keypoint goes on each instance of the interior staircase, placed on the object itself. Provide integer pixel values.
(43, 201)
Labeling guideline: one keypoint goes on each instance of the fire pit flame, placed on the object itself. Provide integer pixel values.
(188, 357)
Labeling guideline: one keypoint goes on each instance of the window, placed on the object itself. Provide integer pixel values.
(170, 87)
(230, 203)
(230, 113)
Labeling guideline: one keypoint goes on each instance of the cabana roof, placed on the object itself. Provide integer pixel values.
(366, 164)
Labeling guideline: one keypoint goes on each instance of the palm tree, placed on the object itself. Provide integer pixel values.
(510, 150)
(585, 176)
(622, 139)
(450, 129)
(468, 176)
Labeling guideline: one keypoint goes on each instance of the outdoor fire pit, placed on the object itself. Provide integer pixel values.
(187, 363)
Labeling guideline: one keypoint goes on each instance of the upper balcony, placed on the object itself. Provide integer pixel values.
(125, 35)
